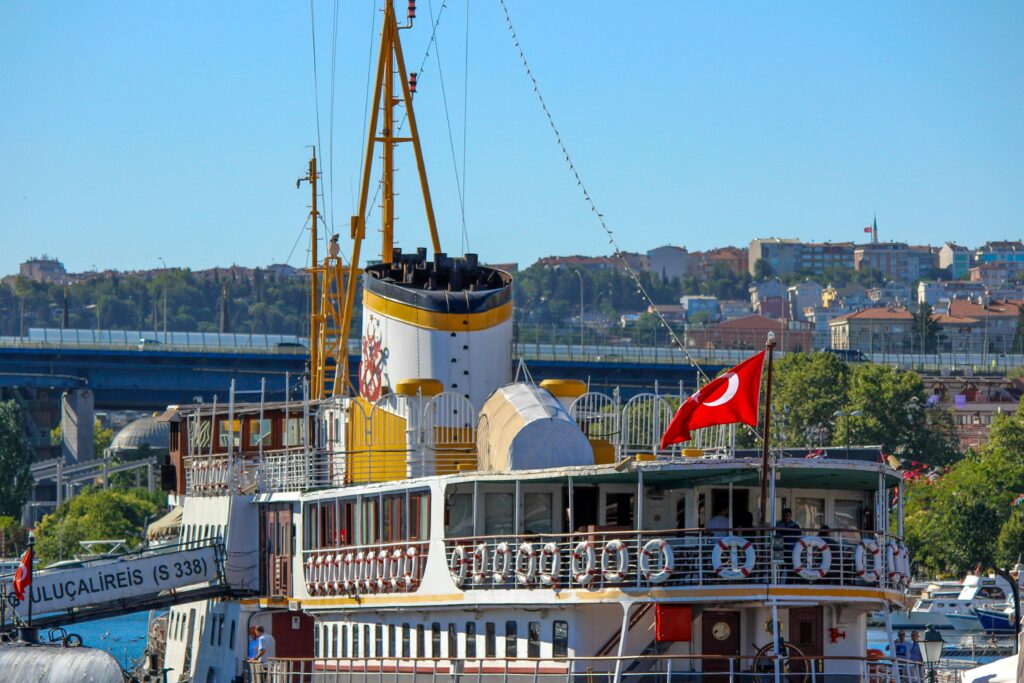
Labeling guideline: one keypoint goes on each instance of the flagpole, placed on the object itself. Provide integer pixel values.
(770, 348)
(31, 557)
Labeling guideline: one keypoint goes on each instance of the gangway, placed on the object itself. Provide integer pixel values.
(155, 578)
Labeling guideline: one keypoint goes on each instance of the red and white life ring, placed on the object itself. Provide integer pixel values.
(617, 571)
(411, 569)
(803, 557)
(550, 565)
(335, 574)
(501, 563)
(733, 545)
(526, 564)
(347, 569)
(894, 556)
(395, 567)
(479, 564)
(457, 565)
(866, 549)
(583, 563)
(656, 547)
(310, 577)
(382, 569)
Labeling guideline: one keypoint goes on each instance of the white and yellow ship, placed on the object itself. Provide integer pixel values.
(447, 521)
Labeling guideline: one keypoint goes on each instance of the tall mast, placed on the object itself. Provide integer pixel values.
(314, 299)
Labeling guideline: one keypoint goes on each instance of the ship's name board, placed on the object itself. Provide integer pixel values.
(61, 589)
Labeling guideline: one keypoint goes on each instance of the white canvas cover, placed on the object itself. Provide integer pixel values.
(524, 427)
(1000, 671)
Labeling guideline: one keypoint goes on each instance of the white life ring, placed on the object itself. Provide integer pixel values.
(659, 547)
(501, 563)
(478, 564)
(346, 571)
(803, 557)
(894, 562)
(336, 573)
(411, 568)
(382, 568)
(360, 578)
(621, 568)
(310, 577)
(734, 545)
(457, 565)
(370, 570)
(865, 549)
(395, 567)
(318, 574)
(583, 563)
(526, 575)
(549, 575)
(904, 565)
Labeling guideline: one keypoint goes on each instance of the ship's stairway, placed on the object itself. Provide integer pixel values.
(153, 579)
(640, 629)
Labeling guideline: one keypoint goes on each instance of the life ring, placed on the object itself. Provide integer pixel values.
(501, 563)
(457, 565)
(395, 567)
(865, 549)
(656, 546)
(583, 563)
(310, 577)
(382, 569)
(411, 573)
(621, 568)
(361, 562)
(734, 545)
(318, 574)
(549, 575)
(904, 565)
(336, 573)
(804, 566)
(526, 574)
(346, 571)
(479, 564)
(894, 562)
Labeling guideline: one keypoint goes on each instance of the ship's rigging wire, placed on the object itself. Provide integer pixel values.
(366, 99)
(330, 134)
(590, 202)
(465, 126)
(448, 122)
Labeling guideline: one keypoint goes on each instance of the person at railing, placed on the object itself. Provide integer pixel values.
(251, 652)
(266, 649)
(900, 647)
(718, 525)
(789, 532)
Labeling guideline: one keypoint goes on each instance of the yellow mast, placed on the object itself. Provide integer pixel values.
(389, 63)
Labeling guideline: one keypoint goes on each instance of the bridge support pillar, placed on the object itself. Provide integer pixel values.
(76, 425)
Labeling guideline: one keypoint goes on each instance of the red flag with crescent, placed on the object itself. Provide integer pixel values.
(23, 575)
(732, 397)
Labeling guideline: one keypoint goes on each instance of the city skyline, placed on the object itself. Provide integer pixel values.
(149, 132)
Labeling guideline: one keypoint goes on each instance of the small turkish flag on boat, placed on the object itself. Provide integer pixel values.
(23, 575)
(732, 397)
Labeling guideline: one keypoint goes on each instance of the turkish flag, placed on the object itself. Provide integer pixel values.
(23, 575)
(732, 397)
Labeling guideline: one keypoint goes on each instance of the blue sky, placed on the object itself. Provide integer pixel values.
(135, 131)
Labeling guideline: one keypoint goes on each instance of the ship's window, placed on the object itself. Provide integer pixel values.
(355, 640)
(499, 514)
(334, 641)
(369, 523)
(220, 630)
(533, 640)
(458, 515)
(259, 432)
(809, 513)
(560, 639)
(489, 648)
(294, 432)
(435, 640)
(419, 516)
(392, 640)
(470, 640)
(230, 431)
(992, 593)
(537, 511)
(213, 629)
(231, 636)
(406, 646)
(453, 642)
(848, 516)
(378, 647)
(394, 518)
(347, 523)
(344, 640)
(367, 643)
(511, 639)
(421, 646)
(618, 509)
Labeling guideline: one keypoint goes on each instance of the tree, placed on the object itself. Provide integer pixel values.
(15, 461)
(13, 537)
(1018, 337)
(94, 514)
(762, 270)
(102, 437)
(1010, 542)
(808, 389)
(925, 329)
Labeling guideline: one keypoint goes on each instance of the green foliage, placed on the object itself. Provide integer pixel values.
(762, 270)
(91, 515)
(1018, 336)
(101, 437)
(13, 537)
(808, 389)
(15, 460)
(964, 518)
(926, 330)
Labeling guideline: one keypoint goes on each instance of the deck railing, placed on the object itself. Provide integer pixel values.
(365, 569)
(643, 669)
(678, 558)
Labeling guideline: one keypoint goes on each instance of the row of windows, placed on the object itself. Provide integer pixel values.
(201, 532)
(177, 628)
(362, 520)
(407, 642)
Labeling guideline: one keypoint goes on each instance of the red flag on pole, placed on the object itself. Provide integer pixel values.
(23, 575)
(869, 229)
(733, 397)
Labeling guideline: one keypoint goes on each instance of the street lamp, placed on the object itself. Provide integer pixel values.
(96, 307)
(931, 650)
(848, 414)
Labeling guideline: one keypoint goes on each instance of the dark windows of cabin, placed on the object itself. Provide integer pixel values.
(406, 647)
(370, 524)
(435, 640)
(537, 513)
(618, 509)
(344, 641)
(533, 640)
(371, 519)
(419, 516)
(560, 639)
(470, 640)
(392, 641)
(458, 515)
(511, 639)
(421, 645)
(499, 513)
(230, 432)
(453, 642)
(259, 432)
(490, 648)
(378, 646)
(394, 518)
(355, 641)
(367, 643)
(231, 636)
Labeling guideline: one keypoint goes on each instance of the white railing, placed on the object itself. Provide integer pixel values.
(678, 558)
(366, 569)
